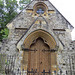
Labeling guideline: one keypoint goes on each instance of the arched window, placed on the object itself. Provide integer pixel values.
(40, 8)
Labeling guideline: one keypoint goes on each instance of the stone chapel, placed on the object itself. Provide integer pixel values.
(39, 42)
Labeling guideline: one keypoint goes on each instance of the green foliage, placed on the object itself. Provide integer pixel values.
(11, 8)
(23, 2)
(4, 32)
(8, 10)
(6, 62)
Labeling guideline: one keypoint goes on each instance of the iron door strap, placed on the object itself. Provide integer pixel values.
(26, 49)
(52, 50)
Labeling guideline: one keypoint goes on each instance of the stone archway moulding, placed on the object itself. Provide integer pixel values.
(51, 40)
(40, 33)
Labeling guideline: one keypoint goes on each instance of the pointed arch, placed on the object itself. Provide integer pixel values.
(39, 38)
(48, 38)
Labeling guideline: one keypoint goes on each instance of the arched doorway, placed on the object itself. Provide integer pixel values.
(40, 52)
(40, 57)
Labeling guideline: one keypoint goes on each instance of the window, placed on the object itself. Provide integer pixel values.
(40, 11)
(40, 8)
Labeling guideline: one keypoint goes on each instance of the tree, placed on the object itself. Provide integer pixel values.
(22, 3)
(8, 10)
(2, 19)
(11, 9)
(7, 13)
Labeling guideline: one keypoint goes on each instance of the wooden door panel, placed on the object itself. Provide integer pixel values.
(33, 59)
(45, 59)
(40, 59)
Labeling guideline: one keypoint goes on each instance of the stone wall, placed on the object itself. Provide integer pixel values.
(24, 20)
(2, 63)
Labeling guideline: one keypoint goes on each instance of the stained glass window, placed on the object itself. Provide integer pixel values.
(40, 11)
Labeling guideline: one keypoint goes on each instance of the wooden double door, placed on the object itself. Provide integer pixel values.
(39, 56)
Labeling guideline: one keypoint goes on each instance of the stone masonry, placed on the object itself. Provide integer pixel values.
(55, 24)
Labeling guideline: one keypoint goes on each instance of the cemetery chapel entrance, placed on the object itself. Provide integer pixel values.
(39, 53)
